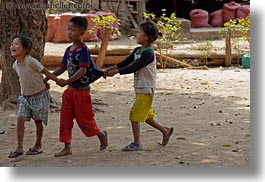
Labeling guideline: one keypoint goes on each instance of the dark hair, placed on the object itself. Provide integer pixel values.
(79, 21)
(150, 29)
(25, 41)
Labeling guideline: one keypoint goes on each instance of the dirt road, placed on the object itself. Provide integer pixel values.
(209, 110)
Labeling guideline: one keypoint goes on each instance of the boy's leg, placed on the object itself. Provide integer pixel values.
(66, 123)
(103, 138)
(66, 117)
(39, 110)
(84, 113)
(20, 133)
(138, 114)
(22, 115)
(136, 144)
(67, 150)
(136, 132)
(39, 133)
(85, 118)
(155, 124)
(36, 149)
(167, 132)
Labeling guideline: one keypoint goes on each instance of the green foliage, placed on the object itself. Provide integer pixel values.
(151, 16)
(132, 38)
(103, 22)
(240, 30)
(239, 24)
(170, 27)
(205, 47)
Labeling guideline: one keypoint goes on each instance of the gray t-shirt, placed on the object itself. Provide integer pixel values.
(30, 76)
(143, 65)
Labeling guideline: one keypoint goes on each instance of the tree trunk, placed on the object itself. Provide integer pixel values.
(18, 18)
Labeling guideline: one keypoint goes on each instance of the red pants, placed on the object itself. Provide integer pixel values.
(76, 104)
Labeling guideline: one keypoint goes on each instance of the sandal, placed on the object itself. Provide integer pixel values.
(166, 138)
(133, 147)
(33, 151)
(15, 154)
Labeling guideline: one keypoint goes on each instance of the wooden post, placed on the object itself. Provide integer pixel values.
(141, 9)
(103, 47)
(129, 14)
(228, 51)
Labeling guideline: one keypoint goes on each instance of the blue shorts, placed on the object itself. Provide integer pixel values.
(35, 107)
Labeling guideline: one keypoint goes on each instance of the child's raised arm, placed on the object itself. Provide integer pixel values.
(49, 75)
(56, 72)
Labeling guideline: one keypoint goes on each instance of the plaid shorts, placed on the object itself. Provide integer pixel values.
(35, 107)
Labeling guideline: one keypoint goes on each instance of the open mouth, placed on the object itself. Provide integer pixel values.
(13, 51)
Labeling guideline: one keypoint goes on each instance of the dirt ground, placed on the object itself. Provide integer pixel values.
(209, 110)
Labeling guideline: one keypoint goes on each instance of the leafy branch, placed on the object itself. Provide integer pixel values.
(106, 22)
(239, 24)
(170, 27)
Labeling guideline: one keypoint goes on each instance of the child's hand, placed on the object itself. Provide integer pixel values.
(62, 82)
(47, 85)
(104, 74)
(111, 73)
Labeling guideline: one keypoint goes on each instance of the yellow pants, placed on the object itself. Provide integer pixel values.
(142, 108)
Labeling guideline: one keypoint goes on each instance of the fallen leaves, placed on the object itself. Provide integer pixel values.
(247, 135)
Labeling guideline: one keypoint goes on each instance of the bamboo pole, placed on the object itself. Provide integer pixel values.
(172, 59)
(103, 47)
(185, 65)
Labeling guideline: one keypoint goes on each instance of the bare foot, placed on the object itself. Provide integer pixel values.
(103, 141)
(63, 152)
(167, 137)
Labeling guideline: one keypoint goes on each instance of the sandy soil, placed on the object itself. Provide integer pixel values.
(209, 109)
